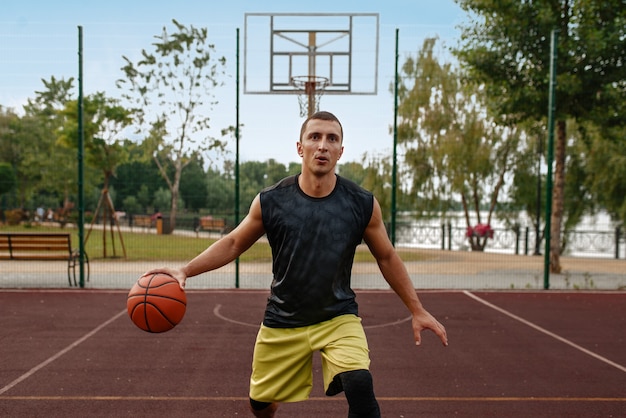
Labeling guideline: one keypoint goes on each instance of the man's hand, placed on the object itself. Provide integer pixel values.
(424, 320)
(178, 274)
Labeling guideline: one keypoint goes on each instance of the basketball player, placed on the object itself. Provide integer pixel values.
(314, 221)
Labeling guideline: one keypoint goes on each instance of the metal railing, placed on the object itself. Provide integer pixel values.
(591, 243)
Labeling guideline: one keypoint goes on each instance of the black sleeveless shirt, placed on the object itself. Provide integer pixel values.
(313, 242)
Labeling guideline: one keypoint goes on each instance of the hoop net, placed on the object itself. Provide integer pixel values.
(310, 89)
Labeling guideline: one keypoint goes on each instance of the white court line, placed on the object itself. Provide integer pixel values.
(60, 353)
(545, 331)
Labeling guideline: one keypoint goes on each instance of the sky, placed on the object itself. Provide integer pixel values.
(39, 39)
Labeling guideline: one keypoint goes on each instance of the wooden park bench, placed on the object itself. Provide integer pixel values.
(209, 223)
(144, 221)
(41, 247)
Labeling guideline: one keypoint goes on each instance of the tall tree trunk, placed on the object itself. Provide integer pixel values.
(175, 191)
(558, 197)
(174, 207)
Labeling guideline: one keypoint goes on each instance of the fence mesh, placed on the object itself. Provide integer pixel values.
(429, 266)
(32, 53)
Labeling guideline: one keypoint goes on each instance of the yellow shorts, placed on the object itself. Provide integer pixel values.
(283, 357)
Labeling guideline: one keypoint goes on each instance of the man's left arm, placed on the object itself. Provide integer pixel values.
(395, 273)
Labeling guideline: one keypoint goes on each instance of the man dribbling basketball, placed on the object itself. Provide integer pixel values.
(314, 221)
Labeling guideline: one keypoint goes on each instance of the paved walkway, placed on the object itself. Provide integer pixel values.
(440, 270)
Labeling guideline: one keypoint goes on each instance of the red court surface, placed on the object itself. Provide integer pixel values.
(75, 353)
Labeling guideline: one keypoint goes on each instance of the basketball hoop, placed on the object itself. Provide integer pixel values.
(310, 89)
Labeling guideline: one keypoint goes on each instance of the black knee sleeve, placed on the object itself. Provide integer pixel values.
(359, 389)
(259, 406)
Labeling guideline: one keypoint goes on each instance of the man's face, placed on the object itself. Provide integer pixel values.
(320, 146)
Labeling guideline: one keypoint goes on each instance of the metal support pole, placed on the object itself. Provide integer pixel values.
(443, 236)
(237, 155)
(81, 149)
(310, 86)
(550, 157)
(526, 237)
(538, 202)
(394, 173)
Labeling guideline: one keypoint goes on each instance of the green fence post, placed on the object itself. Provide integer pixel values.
(550, 157)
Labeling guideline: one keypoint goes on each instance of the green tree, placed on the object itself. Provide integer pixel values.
(44, 171)
(9, 123)
(506, 46)
(104, 124)
(604, 156)
(452, 149)
(275, 172)
(162, 198)
(8, 181)
(374, 173)
(294, 168)
(138, 177)
(353, 171)
(105, 121)
(171, 89)
(252, 178)
(193, 186)
(144, 197)
(527, 188)
(377, 179)
(131, 205)
(221, 191)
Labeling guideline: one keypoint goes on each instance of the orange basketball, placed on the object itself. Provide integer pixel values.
(156, 303)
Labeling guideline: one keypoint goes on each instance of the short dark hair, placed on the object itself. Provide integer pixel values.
(321, 115)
